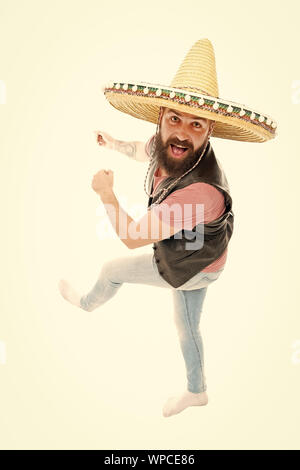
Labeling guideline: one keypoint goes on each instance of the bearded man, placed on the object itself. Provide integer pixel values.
(188, 199)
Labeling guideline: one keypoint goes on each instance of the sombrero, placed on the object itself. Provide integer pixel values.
(193, 90)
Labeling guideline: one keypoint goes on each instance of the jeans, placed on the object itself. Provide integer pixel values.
(187, 300)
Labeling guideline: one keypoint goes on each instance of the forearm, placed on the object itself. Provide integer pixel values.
(119, 219)
(135, 150)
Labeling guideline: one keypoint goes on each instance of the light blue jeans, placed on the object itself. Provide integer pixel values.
(187, 299)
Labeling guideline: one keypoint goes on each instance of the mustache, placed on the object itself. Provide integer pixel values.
(182, 144)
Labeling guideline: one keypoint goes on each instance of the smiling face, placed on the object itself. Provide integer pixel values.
(180, 140)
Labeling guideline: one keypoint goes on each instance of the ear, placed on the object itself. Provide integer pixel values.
(160, 114)
(211, 128)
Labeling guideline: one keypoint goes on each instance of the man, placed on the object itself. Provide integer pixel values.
(183, 172)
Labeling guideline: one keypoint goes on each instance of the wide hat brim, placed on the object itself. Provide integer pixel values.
(233, 121)
(193, 90)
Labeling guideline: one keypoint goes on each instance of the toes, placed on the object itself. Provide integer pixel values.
(167, 409)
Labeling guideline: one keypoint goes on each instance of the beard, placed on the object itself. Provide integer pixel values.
(175, 167)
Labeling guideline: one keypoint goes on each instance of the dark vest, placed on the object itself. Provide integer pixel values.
(175, 262)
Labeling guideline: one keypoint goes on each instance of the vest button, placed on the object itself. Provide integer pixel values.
(157, 260)
(154, 247)
(160, 272)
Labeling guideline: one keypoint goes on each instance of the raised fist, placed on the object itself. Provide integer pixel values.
(105, 139)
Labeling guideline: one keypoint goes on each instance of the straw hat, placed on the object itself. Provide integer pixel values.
(194, 90)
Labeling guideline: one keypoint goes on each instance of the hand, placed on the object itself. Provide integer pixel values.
(105, 140)
(103, 181)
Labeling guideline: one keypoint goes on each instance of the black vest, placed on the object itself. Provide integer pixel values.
(176, 263)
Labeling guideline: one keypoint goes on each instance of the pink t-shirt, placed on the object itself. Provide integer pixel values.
(197, 203)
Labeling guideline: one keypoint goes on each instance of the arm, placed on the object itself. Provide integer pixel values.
(148, 229)
(136, 150)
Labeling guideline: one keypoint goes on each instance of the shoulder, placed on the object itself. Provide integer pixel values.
(196, 194)
(197, 191)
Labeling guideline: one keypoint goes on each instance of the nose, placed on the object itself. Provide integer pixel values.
(182, 138)
(182, 135)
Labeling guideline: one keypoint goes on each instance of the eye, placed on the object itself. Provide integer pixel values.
(197, 122)
(174, 117)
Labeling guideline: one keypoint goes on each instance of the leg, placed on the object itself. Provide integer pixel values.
(138, 269)
(187, 310)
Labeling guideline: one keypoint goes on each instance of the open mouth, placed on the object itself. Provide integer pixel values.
(178, 151)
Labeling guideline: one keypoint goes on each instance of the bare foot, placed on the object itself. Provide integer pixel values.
(175, 405)
(69, 293)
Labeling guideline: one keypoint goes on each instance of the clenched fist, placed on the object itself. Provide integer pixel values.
(105, 140)
(103, 181)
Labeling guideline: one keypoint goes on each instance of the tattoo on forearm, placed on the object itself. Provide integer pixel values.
(129, 148)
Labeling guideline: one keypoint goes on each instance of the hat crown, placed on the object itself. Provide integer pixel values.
(197, 72)
(196, 76)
